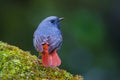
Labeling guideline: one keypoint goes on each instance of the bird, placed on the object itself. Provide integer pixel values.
(48, 40)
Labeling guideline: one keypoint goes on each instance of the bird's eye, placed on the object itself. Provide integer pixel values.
(52, 21)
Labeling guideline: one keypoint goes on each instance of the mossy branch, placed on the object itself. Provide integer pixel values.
(16, 64)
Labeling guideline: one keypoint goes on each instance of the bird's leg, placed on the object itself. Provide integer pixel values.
(39, 55)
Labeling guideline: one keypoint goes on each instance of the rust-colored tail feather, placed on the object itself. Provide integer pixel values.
(50, 59)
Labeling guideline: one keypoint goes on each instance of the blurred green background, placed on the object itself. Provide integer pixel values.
(91, 32)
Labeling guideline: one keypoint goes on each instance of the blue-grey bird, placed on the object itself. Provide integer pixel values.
(47, 40)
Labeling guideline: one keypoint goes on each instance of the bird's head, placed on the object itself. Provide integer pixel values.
(51, 21)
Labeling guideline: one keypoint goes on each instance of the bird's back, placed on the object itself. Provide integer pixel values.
(47, 31)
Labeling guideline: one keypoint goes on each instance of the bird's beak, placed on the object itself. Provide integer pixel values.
(60, 19)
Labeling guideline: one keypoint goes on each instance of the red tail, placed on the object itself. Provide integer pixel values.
(50, 59)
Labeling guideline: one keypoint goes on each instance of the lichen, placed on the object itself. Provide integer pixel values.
(16, 64)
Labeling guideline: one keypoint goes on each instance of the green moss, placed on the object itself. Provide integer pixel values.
(16, 64)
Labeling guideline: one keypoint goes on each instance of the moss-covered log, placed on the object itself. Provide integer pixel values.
(16, 64)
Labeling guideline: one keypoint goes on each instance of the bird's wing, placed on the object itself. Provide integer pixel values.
(37, 41)
(54, 43)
